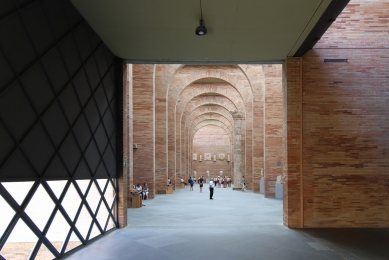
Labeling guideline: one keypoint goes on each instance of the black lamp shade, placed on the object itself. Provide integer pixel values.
(201, 30)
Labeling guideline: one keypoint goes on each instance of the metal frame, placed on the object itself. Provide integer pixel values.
(40, 178)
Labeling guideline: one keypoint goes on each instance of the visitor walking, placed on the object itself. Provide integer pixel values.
(191, 182)
(201, 180)
(211, 188)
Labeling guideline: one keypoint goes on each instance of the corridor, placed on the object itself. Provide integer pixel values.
(234, 225)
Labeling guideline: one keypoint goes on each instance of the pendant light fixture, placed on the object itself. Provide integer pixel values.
(201, 30)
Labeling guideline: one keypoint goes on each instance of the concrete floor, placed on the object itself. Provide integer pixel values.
(234, 225)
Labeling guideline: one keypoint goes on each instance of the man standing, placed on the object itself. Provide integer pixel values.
(211, 188)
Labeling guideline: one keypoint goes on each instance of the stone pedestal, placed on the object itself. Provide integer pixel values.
(169, 190)
(279, 191)
(262, 186)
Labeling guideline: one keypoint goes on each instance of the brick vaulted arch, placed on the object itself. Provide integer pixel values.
(197, 102)
(200, 112)
(183, 78)
(197, 89)
(201, 121)
(175, 78)
(203, 140)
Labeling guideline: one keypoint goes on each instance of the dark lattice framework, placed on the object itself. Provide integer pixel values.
(57, 119)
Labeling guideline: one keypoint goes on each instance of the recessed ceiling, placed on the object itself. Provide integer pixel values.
(239, 31)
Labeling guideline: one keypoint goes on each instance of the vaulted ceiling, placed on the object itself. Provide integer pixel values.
(239, 31)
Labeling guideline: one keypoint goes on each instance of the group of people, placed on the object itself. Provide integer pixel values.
(222, 181)
(192, 180)
(144, 191)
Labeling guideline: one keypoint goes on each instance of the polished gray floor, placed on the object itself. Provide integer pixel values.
(234, 225)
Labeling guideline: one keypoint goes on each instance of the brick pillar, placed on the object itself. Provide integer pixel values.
(127, 129)
(144, 126)
(238, 117)
(292, 143)
(123, 128)
(273, 161)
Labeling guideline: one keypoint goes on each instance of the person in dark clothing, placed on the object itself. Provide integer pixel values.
(201, 181)
(191, 182)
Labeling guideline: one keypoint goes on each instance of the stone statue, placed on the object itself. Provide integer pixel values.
(279, 179)
(201, 158)
(214, 157)
(237, 114)
(207, 172)
(262, 173)
(221, 173)
(194, 173)
(194, 157)
(228, 158)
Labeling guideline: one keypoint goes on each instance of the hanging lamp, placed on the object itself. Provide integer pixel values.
(201, 30)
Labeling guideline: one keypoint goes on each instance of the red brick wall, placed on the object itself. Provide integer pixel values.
(345, 138)
(143, 123)
(345, 122)
(273, 127)
(211, 139)
(292, 142)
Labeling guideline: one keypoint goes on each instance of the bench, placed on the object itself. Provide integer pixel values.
(136, 200)
(169, 190)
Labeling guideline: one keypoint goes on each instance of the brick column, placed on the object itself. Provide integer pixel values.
(123, 136)
(144, 126)
(273, 161)
(292, 143)
(238, 117)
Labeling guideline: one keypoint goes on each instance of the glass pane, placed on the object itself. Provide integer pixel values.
(6, 215)
(95, 232)
(83, 184)
(40, 207)
(58, 231)
(114, 211)
(18, 190)
(110, 225)
(114, 182)
(110, 194)
(44, 253)
(20, 243)
(84, 222)
(71, 202)
(102, 183)
(57, 187)
(93, 197)
(102, 215)
(73, 242)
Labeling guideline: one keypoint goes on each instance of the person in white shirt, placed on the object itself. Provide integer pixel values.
(211, 188)
(139, 189)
